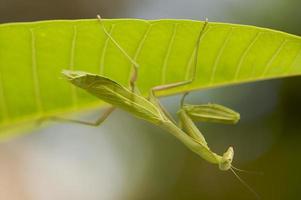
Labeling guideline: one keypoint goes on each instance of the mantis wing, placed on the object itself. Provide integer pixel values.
(115, 94)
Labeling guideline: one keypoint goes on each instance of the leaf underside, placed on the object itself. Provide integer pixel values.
(32, 56)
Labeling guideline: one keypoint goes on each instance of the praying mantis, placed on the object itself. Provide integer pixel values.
(151, 110)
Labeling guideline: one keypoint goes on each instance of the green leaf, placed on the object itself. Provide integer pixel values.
(32, 56)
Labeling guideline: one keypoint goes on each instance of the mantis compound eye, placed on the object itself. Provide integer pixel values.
(226, 160)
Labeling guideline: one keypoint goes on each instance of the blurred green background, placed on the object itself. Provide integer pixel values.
(130, 159)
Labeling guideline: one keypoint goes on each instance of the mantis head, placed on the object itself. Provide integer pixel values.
(226, 160)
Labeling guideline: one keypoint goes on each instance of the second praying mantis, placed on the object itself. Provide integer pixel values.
(150, 109)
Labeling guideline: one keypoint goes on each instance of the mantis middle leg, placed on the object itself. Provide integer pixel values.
(152, 95)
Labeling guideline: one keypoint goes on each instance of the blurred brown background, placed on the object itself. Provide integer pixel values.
(129, 159)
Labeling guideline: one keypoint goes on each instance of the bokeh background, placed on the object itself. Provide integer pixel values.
(128, 159)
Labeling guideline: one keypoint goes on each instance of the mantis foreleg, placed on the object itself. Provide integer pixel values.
(190, 128)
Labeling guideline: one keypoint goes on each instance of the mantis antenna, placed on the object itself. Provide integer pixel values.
(247, 171)
(245, 184)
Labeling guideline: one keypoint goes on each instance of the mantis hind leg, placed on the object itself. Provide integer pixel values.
(97, 122)
(135, 65)
(203, 29)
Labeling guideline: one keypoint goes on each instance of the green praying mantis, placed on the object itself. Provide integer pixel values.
(151, 110)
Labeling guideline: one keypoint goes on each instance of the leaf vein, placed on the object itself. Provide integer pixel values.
(3, 99)
(140, 46)
(190, 61)
(165, 62)
(218, 57)
(104, 51)
(37, 89)
(272, 59)
(244, 55)
(293, 62)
